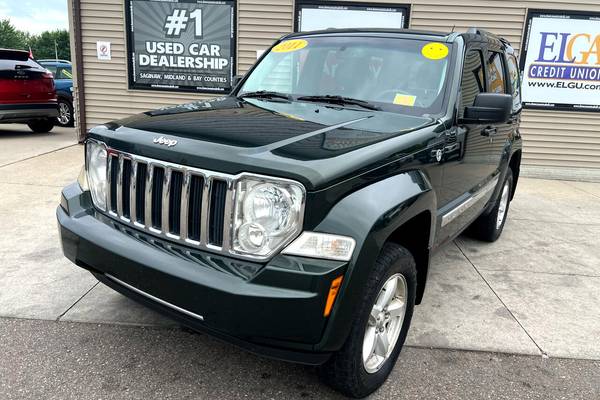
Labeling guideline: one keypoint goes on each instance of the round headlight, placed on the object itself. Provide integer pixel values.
(96, 171)
(268, 214)
(270, 207)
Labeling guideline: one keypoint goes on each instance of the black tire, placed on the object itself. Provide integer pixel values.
(345, 370)
(41, 125)
(486, 227)
(68, 110)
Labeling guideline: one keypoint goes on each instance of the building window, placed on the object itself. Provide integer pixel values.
(318, 15)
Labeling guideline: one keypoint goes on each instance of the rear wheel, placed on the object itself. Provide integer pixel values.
(488, 227)
(380, 326)
(65, 113)
(41, 125)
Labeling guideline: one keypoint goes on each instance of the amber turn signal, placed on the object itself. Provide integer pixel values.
(333, 292)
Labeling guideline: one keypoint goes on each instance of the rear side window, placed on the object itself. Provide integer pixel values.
(515, 84)
(497, 80)
(473, 81)
(64, 73)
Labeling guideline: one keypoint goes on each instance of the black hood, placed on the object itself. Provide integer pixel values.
(252, 135)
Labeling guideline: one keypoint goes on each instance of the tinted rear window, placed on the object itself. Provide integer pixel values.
(11, 65)
(14, 55)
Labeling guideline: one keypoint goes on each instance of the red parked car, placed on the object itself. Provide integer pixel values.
(27, 93)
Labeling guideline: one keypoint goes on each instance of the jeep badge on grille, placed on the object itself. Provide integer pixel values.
(164, 141)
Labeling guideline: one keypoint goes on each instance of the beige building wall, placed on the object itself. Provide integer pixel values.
(562, 144)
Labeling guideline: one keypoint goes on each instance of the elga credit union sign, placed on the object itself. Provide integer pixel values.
(181, 45)
(561, 61)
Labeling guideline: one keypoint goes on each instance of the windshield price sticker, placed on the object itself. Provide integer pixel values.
(405, 100)
(290, 45)
(435, 51)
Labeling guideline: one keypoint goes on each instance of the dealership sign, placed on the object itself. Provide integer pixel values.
(561, 61)
(181, 45)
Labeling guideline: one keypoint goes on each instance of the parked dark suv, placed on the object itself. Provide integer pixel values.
(27, 93)
(297, 216)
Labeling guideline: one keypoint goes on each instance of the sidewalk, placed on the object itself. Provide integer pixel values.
(536, 291)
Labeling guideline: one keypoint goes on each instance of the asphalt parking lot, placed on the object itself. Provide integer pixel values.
(517, 318)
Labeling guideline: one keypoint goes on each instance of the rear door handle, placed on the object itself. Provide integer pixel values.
(490, 130)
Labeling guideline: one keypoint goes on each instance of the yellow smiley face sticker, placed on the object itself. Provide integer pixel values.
(290, 45)
(435, 51)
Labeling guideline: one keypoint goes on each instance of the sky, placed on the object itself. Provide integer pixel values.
(35, 16)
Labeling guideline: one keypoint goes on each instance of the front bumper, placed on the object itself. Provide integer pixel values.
(27, 112)
(275, 309)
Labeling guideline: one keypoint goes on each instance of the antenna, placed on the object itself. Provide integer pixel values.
(453, 26)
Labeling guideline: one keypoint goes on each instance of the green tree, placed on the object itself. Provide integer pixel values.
(12, 38)
(42, 45)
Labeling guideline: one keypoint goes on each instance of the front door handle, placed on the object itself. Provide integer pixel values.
(490, 130)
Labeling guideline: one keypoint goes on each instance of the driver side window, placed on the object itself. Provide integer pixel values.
(473, 79)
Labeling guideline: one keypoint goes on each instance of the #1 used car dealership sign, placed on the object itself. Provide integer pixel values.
(181, 45)
(561, 61)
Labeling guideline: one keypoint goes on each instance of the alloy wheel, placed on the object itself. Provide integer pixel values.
(503, 205)
(385, 323)
(64, 113)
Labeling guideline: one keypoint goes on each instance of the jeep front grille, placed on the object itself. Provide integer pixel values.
(183, 204)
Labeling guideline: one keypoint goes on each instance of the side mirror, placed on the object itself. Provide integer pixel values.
(489, 108)
(236, 79)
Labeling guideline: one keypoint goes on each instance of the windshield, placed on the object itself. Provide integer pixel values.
(399, 75)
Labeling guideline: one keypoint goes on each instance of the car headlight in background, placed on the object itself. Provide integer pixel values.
(268, 214)
(96, 161)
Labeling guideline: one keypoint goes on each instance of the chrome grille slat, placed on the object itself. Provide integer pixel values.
(148, 199)
(133, 192)
(157, 197)
(166, 194)
(185, 199)
(120, 186)
(109, 205)
(204, 213)
(228, 217)
(145, 191)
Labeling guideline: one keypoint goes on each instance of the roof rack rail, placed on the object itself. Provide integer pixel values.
(477, 31)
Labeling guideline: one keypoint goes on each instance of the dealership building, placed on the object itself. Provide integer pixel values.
(134, 55)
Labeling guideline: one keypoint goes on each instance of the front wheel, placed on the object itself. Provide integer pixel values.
(380, 326)
(41, 125)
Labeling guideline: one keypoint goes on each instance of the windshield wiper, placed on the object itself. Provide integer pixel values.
(266, 94)
(340, 100)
